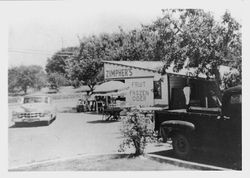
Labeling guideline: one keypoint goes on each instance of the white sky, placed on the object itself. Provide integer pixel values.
(39, 29)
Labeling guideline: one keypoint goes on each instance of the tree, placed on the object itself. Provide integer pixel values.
(85, 71)
(86, 66)
(57, 80)
(23, 77)
(194, 35)
(57, 63)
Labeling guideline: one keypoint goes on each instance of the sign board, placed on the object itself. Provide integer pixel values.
(140, 91)
(113, 71)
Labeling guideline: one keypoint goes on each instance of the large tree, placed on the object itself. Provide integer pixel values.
(23, 77)
(57, 63)
(56, 80)
(179, 36)
(85, 66)
(194, 35)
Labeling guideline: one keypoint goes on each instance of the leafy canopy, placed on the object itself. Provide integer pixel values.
(23, 77)
(194, 35)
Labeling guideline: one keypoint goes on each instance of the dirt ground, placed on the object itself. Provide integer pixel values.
(104, 163)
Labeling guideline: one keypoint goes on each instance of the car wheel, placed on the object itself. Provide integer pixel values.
(182, 146)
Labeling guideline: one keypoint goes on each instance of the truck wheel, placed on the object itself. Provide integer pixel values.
(182, 146)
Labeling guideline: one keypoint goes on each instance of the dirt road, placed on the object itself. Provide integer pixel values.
(69, 135)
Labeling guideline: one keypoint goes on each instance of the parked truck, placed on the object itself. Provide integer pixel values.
(207, 129)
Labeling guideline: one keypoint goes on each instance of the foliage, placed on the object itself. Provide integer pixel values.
(57, 63)
(85, 67)
(137, 132)
(183, 37)
(194, 35)
(23, 77)
(231, 80)
(57, 80)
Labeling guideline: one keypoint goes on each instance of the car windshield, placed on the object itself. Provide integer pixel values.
(35, 100)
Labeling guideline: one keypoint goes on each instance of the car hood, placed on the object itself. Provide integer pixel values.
(34, 107)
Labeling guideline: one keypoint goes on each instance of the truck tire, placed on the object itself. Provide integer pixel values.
(182, 146)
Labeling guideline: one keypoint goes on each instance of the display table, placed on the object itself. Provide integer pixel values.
(112, 113)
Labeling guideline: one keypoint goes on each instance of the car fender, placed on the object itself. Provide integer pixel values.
(168, 128)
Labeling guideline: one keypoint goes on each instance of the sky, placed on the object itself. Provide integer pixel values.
(39, 29)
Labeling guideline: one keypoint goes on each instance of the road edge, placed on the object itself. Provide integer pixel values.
(161, 159)
(186, 164)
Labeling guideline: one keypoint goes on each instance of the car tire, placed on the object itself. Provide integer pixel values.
(182, 145)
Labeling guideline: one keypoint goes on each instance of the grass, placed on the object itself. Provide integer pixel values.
(64, 93)
(104, 163)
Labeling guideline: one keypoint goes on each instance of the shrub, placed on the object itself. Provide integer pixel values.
(137, 132)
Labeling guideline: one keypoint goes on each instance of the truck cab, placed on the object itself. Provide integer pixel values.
(217, 130)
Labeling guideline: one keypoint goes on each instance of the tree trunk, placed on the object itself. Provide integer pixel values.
(25, 90)
(137, 147)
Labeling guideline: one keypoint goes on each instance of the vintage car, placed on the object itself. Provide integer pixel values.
(34, 109)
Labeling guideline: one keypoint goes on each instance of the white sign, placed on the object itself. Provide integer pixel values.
(140, 91)
(113, 71)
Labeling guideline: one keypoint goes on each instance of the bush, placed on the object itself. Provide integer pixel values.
(137, 132)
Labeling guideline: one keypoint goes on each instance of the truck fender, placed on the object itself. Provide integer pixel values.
(167, 128)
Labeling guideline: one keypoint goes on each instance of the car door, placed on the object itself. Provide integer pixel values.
(231, 123)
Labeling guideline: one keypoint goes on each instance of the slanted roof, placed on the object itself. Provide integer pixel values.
(155, 66)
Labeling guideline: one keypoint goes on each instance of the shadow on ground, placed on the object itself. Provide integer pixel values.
(67, 110)
(33, 124)
(102, 121)
(214, 159)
